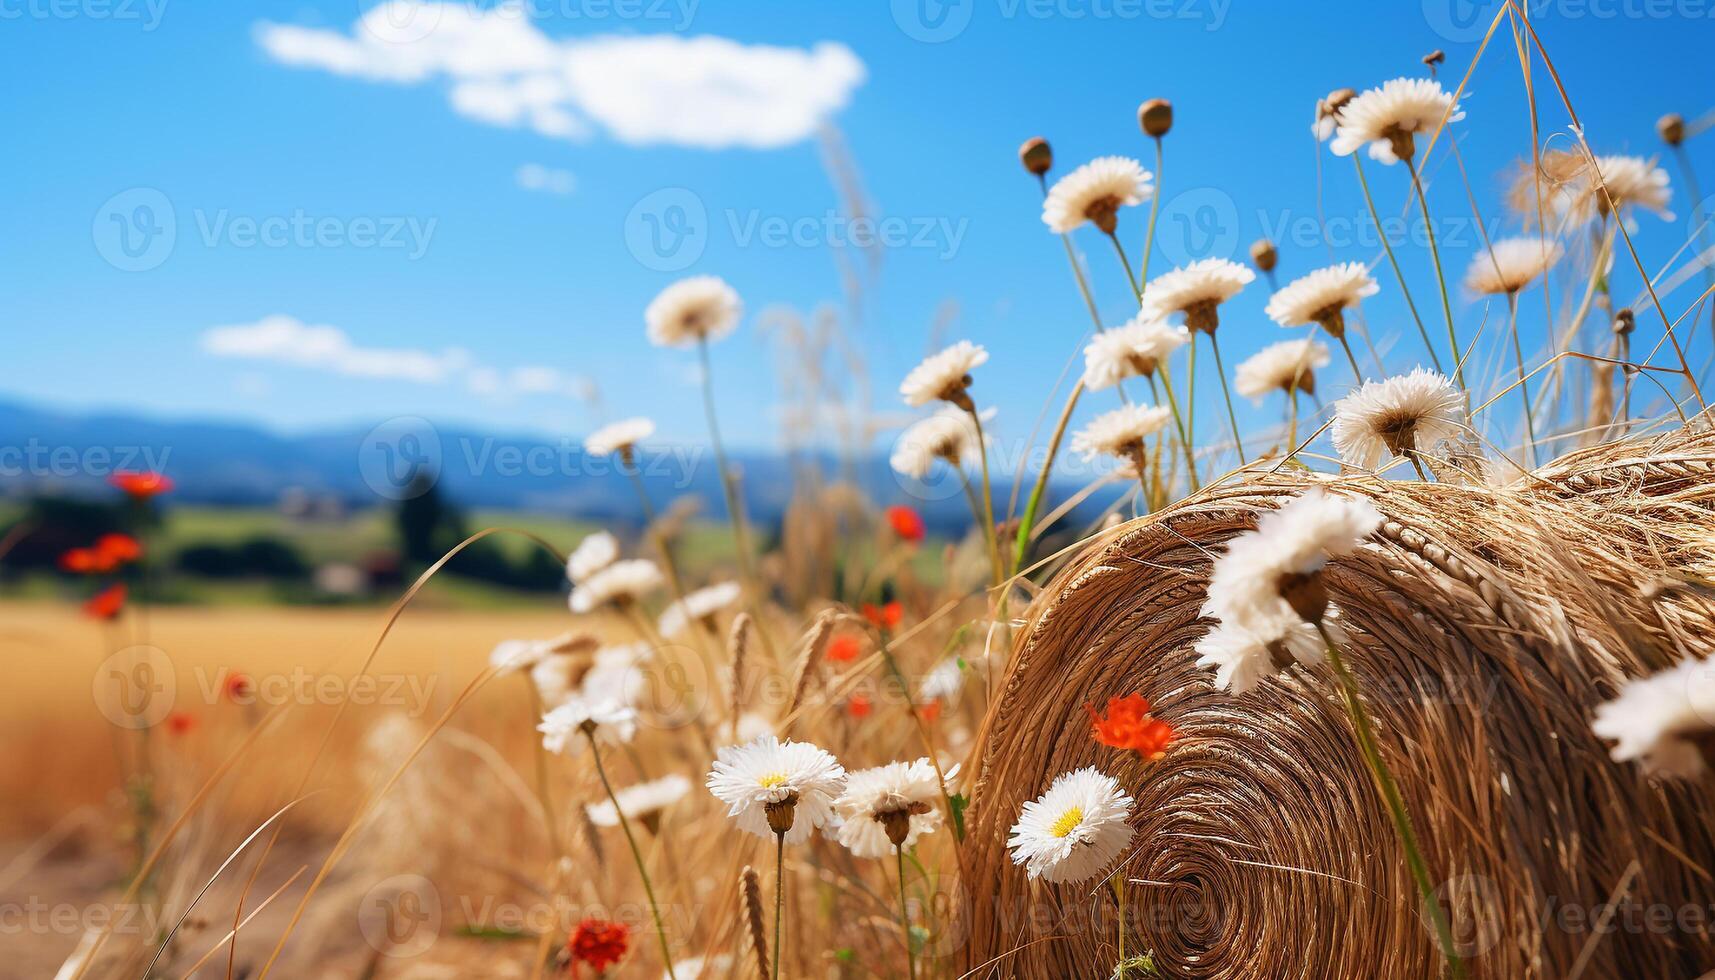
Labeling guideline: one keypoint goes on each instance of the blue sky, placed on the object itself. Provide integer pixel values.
(398, 186)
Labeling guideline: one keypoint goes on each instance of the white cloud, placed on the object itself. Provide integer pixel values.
(706, 92)
(283, 339)
(548, 180)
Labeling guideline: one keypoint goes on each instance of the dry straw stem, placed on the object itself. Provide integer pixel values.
(1486, 624)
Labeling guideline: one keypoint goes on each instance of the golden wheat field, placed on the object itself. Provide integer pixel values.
(1244, 510)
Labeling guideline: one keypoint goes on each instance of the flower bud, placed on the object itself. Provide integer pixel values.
(1434, 59)
(1625, 322)
(1036, 156)
(1156, 117)
(1263, 255)
(1672, 128)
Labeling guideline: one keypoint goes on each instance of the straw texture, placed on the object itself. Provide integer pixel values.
(1486, 624)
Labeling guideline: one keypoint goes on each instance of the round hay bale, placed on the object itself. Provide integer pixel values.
(1486, 624)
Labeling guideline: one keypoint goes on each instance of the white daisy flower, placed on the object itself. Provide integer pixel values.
(1073, 831)
(1386, 119)
(1287, 366)
(1195, 291)
(944, 376)
(691, 311)
(1134, 350)
(592, 554)
(616, 674)
(564, 727)
(1511, 264)
(1268, 580)
(1665, 720)
(1322, 297)
(772, 787)
(1630, 182)
(1120, 432)
(619, 584)
(558, 678)
(619, 437)
(697, 607)
(1408, 413)
(1243, 658)
(948, 435)
(643, 802)
(1095, 192)
(889, 807)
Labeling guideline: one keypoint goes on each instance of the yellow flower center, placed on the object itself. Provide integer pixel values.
(1068, 822)
(772, 780)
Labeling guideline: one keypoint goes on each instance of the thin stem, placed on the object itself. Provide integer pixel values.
(735, 510)
(1291, 420)
(779, 897)
(1418, 464)
(1130, 277)
(1221, 372)
(1363, 730)
(1119, 904)
(1077, 270)
(1190, 400)
(1357, 372)
(1155, 208)
(1684, 159)
(1523, 388)
(1440, 278)
(987, 516)
(905, 914)
(1166, 375)
(636, 853)
(1028, 519)
(1394, 261)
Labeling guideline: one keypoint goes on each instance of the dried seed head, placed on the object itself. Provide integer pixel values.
(1036, 155)
(1625, 322)
(782, 813)
(1434, 59)
(1156, 117)
(1263, 255)
(1672, 128)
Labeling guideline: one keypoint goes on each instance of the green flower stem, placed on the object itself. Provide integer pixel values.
(1364, 731)
(636, 854)
(1387, 247)
(1440, 277)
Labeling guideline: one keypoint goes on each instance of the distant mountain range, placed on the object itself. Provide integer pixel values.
(233, 464)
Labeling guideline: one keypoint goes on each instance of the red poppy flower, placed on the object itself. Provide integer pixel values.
(599, 943)
(141, 486)
(859, 706)
(118, 549)
(906, 523)
(108, 603)
(1129, 725)
(84, 561)
(238, 686)
(884, 617)
(180, 723)
(843, 648)
(929, 711)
